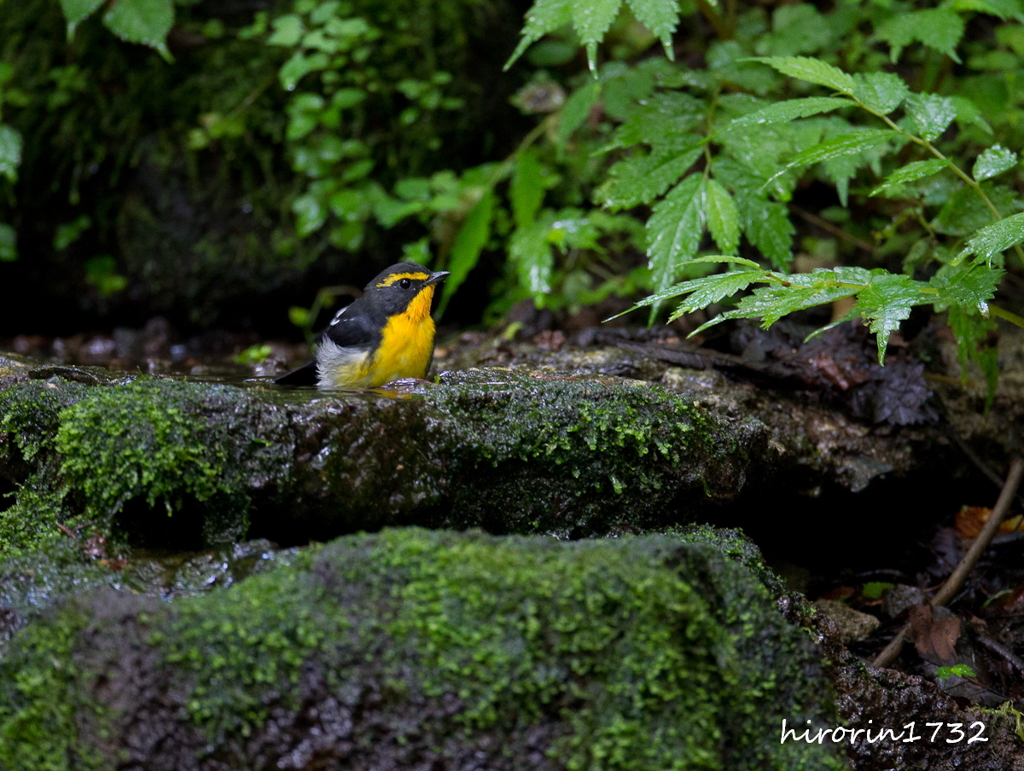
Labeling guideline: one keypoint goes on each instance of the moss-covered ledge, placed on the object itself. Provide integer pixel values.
(180, 464)
(420, 649)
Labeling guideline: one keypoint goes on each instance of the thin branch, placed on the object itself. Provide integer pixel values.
(967, 563)
(835, 230)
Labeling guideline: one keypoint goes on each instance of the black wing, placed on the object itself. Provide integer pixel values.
(303, 376)
(348, 330)
(352, 327)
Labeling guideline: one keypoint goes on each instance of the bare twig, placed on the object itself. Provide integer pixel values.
(835, 230)
(967, 563)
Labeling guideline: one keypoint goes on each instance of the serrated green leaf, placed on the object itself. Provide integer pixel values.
(797, 292)
(1004, 9)
(674, 229)
(885, 302)
(641, 179)
(723, 217)
(577, 109)
(812, 70)
(660, 121)
(76, 10)
(10, 152)
(994, 161)
(710, 289)
(142, 21)
(970, 286)
(592, 19)
(660, 17)
(938, 28)
(882, 92)
(527, 189)
(996, 238)
(530, 254)
(8, 243)
(909, 173)
(469, 242)
(848, 144)
(728, 259)
(543, 17)
(931, 114)
(767, 226)
(784, 112)
(765, 223)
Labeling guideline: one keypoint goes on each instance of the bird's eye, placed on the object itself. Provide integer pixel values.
(405, 283)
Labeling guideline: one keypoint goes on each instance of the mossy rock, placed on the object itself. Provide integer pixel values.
(420, 649)
(171, 463)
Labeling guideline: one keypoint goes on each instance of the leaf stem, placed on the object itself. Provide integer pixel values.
(722, 28)
(938, 154)
(1005, 315)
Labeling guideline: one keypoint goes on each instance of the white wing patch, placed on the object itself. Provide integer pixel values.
(337, 316)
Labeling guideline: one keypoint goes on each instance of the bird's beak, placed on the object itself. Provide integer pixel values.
(436, 278)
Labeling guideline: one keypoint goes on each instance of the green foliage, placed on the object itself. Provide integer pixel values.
(135, 21)
(960, 670)
(254, 354)
(636, 166)
(756, 146)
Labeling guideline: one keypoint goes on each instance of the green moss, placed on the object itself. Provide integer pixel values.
(30, 414)
(509, 629)
(149, 440)
(488, 448)
(39, 703)
(594, 447)
(634, 653)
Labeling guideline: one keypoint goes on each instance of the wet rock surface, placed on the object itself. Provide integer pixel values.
(878, 699)
(505, 450)
(419, 649)
(527, 437)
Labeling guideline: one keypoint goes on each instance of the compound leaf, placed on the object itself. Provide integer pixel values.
(885, 302)
(641, 179)
(660, 17)
(839, 147)
(710, 289)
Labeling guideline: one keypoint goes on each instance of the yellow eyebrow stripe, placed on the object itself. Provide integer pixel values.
(399, 276)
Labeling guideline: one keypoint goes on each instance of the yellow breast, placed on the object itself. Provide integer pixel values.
(407, 343)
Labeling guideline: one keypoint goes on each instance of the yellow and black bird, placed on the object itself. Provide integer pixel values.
(385, 335)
